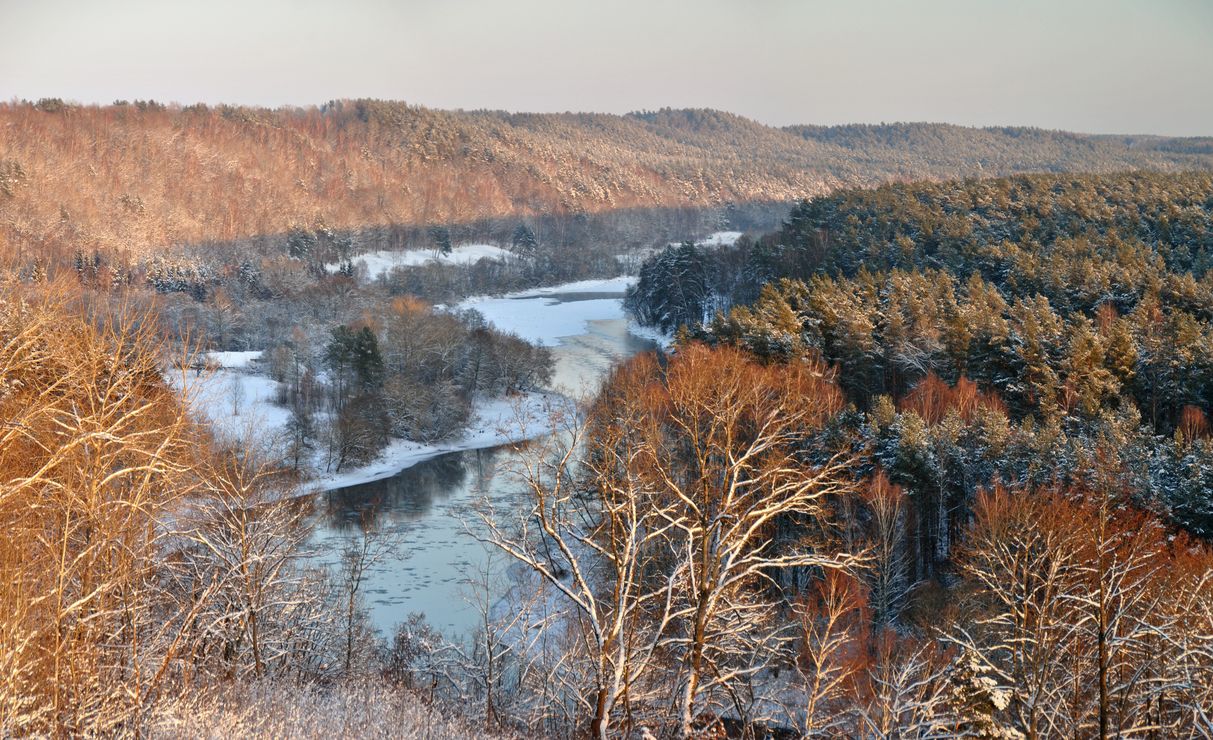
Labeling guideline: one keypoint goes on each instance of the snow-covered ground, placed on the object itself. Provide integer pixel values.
(720, 239)
(240, 404)
(232, 360)
(545, 315)
(665, 340)
(493, 423)
(240, 400)
(597, 285)
(382, 261)
(715, 239)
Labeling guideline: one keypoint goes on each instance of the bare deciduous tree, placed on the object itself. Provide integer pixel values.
(95, 450)
(655, 524)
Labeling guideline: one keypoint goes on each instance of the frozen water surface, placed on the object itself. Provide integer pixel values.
(426, 509)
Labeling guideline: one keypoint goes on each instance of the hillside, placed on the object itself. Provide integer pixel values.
(134, 177)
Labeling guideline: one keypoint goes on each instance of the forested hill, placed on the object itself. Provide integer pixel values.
(942, 151)
(135, 177)
(1076, 309)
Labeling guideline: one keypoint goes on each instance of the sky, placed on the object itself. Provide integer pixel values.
(1099, 66)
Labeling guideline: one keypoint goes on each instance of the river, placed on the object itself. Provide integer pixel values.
(427, 511)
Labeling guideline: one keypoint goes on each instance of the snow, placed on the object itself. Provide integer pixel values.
(720, 239)
(383, 261)
(494, 422)
(599, 285)
(665, 340)
(233, 360)
(546, 315)
(716, 239)
(239, 404)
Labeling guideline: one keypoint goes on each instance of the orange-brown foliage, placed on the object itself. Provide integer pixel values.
(1193, 423)
(94, 450)
(932, 399)
(125, 180)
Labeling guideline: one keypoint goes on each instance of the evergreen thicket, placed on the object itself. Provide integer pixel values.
(1027, 330)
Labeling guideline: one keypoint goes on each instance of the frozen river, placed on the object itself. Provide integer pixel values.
(426, 510)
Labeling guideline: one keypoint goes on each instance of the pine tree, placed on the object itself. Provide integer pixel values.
(441, 237)
(524, 242)
(367, 360)
(1088, 382)
(300, 244)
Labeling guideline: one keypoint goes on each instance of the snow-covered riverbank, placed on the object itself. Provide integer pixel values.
(372, 265)
(240, 403)
(494, 423)
(240, 400)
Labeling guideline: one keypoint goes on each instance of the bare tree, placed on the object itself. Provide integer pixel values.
(888, 570)
(655, 522)
(833, 641)
(235, 393)
(241, 534)
(95, 450)
(907, 698)
(362, 552)
(500, 657)
(1089, 617)
(599, 581)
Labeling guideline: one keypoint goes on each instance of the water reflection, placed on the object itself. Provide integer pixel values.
(405, 497)
(428, 509)
(429, 513)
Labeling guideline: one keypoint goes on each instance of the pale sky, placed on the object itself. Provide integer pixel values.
(1104, 66)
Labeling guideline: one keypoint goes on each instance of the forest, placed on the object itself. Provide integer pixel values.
(929, 460)
(1023, 365)
(135, 178)
(630, 370)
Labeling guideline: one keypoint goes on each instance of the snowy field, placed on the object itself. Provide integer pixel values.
(237, 400)
(720, 239)
(383, 261)
(545, 315)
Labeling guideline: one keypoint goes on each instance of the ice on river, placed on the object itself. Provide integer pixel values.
(546, 315)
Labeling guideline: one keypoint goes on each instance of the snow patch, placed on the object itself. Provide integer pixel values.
(233, 360)
(716, 239)
(383, 261)
(599, 285)
(720, 239)
(546, 315)
(239, 404)
(665, 340)
(494, 423)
